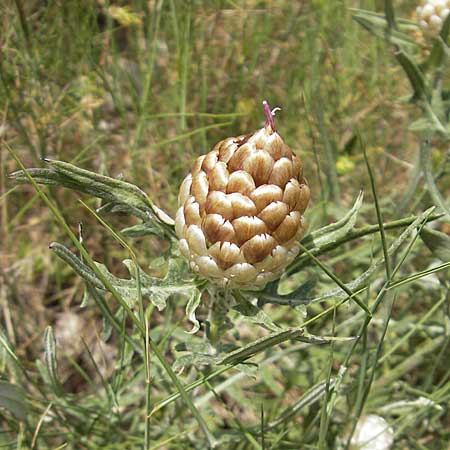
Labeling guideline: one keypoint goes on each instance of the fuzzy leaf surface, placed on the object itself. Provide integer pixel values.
(118, 195)
(157, 290)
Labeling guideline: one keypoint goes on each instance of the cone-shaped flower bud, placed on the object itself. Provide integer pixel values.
(241, 209)
(432, 15)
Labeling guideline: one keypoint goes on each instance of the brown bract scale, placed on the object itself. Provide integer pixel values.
(241, 210)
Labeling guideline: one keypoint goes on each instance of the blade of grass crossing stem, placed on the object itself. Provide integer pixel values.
(224, 369)
(156, 17)
(194, 384)
(116, 295)
(185, 135)
(183, 393)
(377, 207)
(148, 384)
(337, 280)
(414, 329)
(115, 235)
(235, 420)
(390, 15)
(419, 275)
(425, 160)
(89, 261)
(147, 343)
(364, 392)
(363, 329)
(410, 245)
(325, 413)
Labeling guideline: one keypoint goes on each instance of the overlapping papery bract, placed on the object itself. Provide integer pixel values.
(241, 210)
(431, 15)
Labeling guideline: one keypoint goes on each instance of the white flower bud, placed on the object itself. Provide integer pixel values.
(372, 433)
(431, 15)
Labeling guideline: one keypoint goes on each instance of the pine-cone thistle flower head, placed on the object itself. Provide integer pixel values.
(431, 15)
(241, 208)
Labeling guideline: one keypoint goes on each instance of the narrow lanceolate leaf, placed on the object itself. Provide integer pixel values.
(50, 359)
(379, 26)
(362, 280)
(414, 74)
(419, 275)
(260, 345)
(336, 230)
(310, 397)
(437, 242)
(270, 294)
(12, 398)
(327, 236)
(157, 290)
(119, 195)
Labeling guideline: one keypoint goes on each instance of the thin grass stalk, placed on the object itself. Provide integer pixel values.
(116, 295)
(353, 235)
(377, 208)
(325, 413)
(336, 280)
(156, 18)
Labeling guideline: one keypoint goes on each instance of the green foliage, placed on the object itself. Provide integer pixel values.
(119, 346)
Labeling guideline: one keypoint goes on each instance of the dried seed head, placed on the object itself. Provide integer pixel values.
(241, 209)
(431, 15)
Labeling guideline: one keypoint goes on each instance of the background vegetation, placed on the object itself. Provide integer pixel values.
(137, 89)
